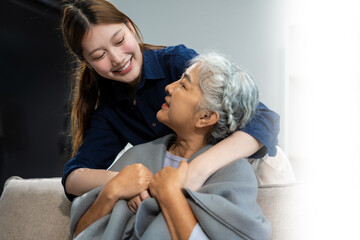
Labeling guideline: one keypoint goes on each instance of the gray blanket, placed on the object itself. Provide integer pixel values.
(225, 206)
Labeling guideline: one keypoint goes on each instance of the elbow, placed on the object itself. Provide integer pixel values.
(70, 182)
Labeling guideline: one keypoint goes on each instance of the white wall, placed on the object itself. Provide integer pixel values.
(251, 32)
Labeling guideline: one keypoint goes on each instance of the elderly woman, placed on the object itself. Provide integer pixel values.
(212, 99)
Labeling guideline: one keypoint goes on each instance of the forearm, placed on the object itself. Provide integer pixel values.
(102, 206)
(130, 181)
(83, 180)
(237, 145)
(178, 215)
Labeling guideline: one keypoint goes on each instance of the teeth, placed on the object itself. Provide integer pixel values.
(125, 67)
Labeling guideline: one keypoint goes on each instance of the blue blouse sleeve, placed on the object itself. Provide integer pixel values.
(265, 127)
(99, 149)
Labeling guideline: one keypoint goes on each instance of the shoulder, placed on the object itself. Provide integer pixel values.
(152, 145)
(178, 55)
(176, 51)
(149, 154)
(170, 62)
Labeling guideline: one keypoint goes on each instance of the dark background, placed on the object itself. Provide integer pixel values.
(35, 79)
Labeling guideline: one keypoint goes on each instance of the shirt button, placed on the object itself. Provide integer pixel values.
(154, 124)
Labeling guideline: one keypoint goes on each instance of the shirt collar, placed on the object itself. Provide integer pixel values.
(151, 67)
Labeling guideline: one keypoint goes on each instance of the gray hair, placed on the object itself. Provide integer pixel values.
(227, 90)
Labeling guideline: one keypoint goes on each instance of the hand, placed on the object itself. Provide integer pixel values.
(129, 182)
(134, 203)
(167, 180)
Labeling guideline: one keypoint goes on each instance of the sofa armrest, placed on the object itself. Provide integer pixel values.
(34, 209)
(283, 206)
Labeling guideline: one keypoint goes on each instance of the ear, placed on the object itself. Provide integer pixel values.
(207, 119)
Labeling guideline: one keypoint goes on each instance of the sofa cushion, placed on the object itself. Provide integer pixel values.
(34, 209)
(39, 209)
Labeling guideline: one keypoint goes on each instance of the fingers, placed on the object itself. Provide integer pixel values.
(144, 195)
(168, 180)
(131, 181)
(183, 166)
(134, 203)
(132, 207)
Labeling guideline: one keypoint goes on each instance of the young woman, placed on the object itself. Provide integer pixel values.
(120, 87)
(212, 98)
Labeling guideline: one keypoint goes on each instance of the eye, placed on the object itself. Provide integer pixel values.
(98, 58)
(181, 83)
(120, 42)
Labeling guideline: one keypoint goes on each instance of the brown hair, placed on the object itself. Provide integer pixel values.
(78, 17)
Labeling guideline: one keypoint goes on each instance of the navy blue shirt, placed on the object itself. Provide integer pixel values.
(117, 120)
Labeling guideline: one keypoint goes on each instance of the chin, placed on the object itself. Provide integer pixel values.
(163, 120)
(160, 117)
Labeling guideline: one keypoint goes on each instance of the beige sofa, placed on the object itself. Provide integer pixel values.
(38, 209)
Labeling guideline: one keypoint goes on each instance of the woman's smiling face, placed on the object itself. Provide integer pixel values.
(113, 52)
(180, 110)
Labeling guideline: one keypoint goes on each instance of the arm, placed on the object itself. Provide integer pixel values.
(261, 131)
(166, 188)
(237, 145)
(83, 180)
(130, 181)
(230, 196)
(86, 170)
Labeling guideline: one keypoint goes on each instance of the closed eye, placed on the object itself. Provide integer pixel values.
(181, 83)
(98, 58)
(120, 42)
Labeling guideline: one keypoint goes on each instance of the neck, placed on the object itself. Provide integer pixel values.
(187, 146)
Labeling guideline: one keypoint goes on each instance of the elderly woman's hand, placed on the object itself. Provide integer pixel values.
(168, 180)
(134, 203)
(166, 188)
(129, 182)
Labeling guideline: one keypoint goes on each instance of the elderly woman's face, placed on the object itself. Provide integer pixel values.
(179, 112)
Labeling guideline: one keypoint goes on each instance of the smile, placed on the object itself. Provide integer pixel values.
(125, 68)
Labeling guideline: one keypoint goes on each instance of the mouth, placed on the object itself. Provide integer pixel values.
(165, 104)
(126, 68)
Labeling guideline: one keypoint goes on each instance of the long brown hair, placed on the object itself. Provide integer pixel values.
(78, 17)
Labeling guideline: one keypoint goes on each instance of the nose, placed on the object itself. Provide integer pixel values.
(169, 89)
(116, 57)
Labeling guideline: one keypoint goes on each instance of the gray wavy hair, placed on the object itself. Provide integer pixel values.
(228, 91)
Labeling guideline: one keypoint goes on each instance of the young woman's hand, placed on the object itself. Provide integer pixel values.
(168, 180)
(129, 182)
